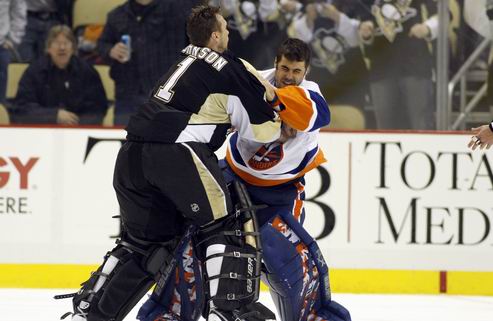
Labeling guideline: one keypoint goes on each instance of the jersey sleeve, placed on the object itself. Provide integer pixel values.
(261, 132)
(250, 114)
(303, 108)
(251, 69)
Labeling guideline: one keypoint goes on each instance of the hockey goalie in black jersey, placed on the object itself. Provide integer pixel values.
(169, 185)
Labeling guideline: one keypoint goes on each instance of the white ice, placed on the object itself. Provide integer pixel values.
(39, 305)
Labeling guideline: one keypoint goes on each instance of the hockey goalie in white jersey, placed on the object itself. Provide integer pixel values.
(273, 173)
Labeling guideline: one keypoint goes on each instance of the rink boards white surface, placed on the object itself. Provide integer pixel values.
(39, 305)
(436, 236)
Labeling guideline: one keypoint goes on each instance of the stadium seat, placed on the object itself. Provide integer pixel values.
(4, 115)
(108, 120)
(346, 117)
(15, 71)
(108, 84)
(88, 12)
(109, 88)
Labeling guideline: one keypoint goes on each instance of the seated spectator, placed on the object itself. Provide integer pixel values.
(60, 88)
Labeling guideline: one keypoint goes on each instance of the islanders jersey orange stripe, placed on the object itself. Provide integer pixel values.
(298, 202)
(302, 108)
(251, 179)
(299, 111)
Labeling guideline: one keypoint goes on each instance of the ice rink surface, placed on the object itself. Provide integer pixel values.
(39, 305)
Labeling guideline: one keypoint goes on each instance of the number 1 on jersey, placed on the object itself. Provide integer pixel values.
(165, 92)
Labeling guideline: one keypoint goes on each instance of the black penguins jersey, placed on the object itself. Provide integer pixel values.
(200, 98)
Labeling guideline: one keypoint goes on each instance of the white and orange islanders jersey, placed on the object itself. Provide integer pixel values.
(302, 107)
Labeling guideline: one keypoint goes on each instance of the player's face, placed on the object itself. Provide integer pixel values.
(289, 72)
(223, 34)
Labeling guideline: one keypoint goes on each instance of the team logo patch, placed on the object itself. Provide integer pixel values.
(195, 207)
(84, 305)
(266, 157)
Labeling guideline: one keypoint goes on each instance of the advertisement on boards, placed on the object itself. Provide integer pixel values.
(402, 201)
(381, 201)
(56, 197)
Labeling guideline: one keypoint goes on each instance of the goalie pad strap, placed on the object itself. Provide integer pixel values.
(231, 254)
(231, 275)
(230, 250)
(237, 233)
(240, 233)
(231, 297)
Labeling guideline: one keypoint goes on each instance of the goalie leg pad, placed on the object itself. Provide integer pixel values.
(297, 274)
(284, 275)
(228, 250)
(332, 311)
(128, 272)
(179, 296)
(231, 249)
(231, 265)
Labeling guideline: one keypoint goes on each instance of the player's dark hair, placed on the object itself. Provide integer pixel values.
(294, 50)
(201, 23)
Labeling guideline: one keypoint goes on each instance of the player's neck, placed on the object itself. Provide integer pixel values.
(215, 48)
(215, 45)
(144, 2)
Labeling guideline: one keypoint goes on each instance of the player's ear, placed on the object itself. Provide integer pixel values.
(213, 37)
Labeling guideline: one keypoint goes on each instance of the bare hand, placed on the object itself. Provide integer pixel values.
(120, 52)
(270, 90)
(8, 45)
(287, 132)
(419, 31)
(366, 29)
(482, 138)
(65, 117)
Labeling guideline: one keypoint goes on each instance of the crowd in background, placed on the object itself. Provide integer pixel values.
(376, 56)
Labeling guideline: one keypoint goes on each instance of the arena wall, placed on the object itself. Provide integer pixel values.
(394, 212)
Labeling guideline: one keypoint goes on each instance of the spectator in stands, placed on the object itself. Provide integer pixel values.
(397, 37)
(482, 14)
(331, 29)
(12, 24)
(60, 88)
(157, 32)
(41, 16)
(65, 9)
(254, 24)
